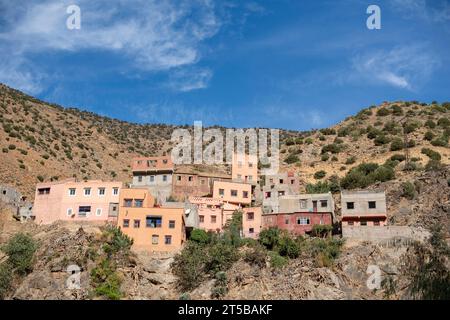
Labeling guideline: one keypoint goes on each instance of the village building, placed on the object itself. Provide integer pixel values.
(187, 183)
(363, 208)
(298, 214)
(154, 173)
(152, 228)
(21, 208)
(276, 186)
(78, 201)
(244, 168)
(233, 192)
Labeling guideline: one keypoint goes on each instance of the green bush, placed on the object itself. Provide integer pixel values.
(429, 136)
(328, 132)
(350, 160)
(292, 158)
(288, 247)
(199, 236)
(320, 175)
(106, 281)
(277, 261)
(115, 240)
(382, 112)
(366, 174)
(332, 148)
(408, 190)
(256, 256)
(443, 122)
(398, 157)
(397, 144)
(433, 155)
(11, 147)
(6, 277)
(20, 250)
(440, 142)
(325, 157)
(270, 238)
(321, 230)
(220, 257)
(325, 251)
(397, 110)
(430, 124)
(433, 165)
(319, 187)
(188, 266)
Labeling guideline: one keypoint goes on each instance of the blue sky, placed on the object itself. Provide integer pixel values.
(279, 64)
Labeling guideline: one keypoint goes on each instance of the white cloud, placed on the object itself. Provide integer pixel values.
(153, 35)
(405, 67)
(436, 11)
(17, 73)
(189, 79)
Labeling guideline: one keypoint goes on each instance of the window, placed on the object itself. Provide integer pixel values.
(167, 240)
(98, 212)
(139, 162)
(286, 221)
(250, 164)
(115, 191)
(72, 192)
(190, 178)
(302, 221)
(138, 203)
(221, 192)
(372, 205)
(234, 193)
(351, 223)
(83, 211)
(281, 181)
(364, 223)
(292, 181)
(165, 161)
(251, 230)
(127, 202)
(376, 223)
(271, 180)
(126, 223)
(323, 203)
(213, 219)
(245, 194)
(281, 193)
(303, 203)
(203, 181)
(153, 221)
(179, 178)
(268, 195)
(152, 178)
(87, 191)
(201, 219)
(250, 215)
(172, 224)
(165, 178)
(69, 212)
(101, 191)
(155, 239)
(42, 191)
(250, 178)
(350, 205)
(137, 223)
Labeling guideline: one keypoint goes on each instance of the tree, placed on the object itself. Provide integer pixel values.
(426, 266)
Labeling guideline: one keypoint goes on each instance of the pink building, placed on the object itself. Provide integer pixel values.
(69, 200)
(252, 222)
(214, 214)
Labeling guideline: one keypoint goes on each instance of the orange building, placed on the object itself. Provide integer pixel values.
(151, 228)
(244, 168)
(251, 222)
(233, 192)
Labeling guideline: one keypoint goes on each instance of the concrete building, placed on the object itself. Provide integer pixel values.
(299, 213)
(276, 186)
(188, 184)
(233, 192)
(244, 168)
(70, 200)
(363, 208)
(153, 229)
(155, 173)
(22, 208)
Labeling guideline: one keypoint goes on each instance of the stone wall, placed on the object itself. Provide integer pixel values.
(383, 233)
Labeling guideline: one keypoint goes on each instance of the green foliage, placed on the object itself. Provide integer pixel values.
(443, 122)
(270, 238)
(408, 190)
(325, 157)
(325, 251)
(397, 144)
(288, 247)
(106, 281)
(115, 240)
(277, 261)
(350, 160)
(433, 155)
(257, 256)
(397, 110)
(11, 147)
(433, 165)
(382, 112)
(332, 148)
(426, 265)
(398, 157)
(430, 124)
(292, 158)
(321, 230)
(440, 142)
(20, 250)
(429, 136)
(6, 277)
(328, 131)
(188, 266)
(220, 286)
(319, 187)
(366, 174)
(381, 140)
(320, 175)
(199, 236)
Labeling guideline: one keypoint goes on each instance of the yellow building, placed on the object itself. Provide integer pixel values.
(244, 168)
(151, 228)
